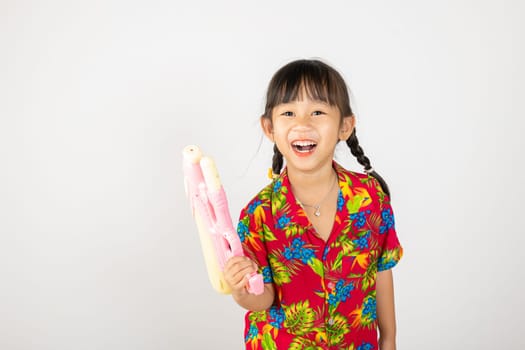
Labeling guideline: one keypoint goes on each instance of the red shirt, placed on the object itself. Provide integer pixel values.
(325, 291)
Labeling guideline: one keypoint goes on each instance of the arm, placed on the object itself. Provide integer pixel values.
(386, 316)
(236, 272)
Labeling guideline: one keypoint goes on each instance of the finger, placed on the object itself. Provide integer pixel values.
(246, 271)
(236, 271)
(236, 276)
(236, 260)
(242, 264)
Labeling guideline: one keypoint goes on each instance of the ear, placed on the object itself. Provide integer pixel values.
(347, 126)
(267, 127)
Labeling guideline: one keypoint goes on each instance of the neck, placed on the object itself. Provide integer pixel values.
(311, 187)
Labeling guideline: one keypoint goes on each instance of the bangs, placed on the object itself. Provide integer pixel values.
(294, 89)
(313, 78)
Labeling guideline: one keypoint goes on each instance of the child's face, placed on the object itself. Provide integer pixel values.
(306, 132)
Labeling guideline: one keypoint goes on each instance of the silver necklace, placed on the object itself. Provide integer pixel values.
(317, 206)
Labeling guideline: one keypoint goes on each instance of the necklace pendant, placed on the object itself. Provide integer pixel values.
(317, 212)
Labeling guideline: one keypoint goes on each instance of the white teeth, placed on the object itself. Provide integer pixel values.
(303, 143)
(304, 146)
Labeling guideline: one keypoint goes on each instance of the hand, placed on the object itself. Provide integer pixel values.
(236, 273)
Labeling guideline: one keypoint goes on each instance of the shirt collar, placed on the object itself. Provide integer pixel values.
(291, 212)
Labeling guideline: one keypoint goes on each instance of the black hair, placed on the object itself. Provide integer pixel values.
(322, 83)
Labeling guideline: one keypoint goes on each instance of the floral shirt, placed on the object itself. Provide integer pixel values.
(325, 291)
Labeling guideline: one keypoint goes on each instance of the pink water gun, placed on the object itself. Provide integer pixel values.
(219, 240)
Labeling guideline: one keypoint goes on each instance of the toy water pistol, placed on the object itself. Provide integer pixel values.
(219, 239)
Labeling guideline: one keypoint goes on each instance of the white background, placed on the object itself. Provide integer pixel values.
(98, 249)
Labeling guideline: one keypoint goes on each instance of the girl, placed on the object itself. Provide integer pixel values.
(322, 236)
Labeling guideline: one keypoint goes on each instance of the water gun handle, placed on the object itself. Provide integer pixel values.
(219, 239)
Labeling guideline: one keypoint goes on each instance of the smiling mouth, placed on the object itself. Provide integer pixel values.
(304, 146)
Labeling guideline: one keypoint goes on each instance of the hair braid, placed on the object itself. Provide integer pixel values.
(358, 152)
(277, 160)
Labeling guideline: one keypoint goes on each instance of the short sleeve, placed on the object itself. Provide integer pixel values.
(251, 231)
(391, 250)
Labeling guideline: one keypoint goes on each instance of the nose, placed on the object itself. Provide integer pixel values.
(303, 121)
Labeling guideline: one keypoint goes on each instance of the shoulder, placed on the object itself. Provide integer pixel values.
(261, 199)
(356, 179)
(362, 183)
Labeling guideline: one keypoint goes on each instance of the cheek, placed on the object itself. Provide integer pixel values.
(278, 136)
(281, 138)
(280, 129)
(331, 129)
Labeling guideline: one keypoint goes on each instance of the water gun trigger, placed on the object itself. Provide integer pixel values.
(255, 284)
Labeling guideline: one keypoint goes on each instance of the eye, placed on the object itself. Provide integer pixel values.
(317, 113)
(287, 114)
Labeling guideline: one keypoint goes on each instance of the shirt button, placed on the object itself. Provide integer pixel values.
(331, 321)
